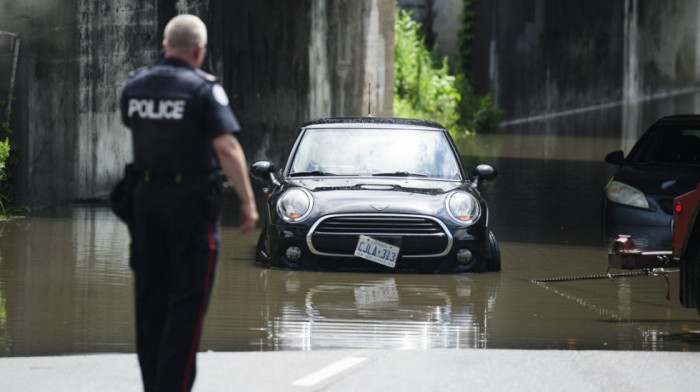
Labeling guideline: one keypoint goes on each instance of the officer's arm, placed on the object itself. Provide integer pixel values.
(233, 161)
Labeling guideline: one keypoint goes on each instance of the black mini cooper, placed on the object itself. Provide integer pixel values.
(375, 193)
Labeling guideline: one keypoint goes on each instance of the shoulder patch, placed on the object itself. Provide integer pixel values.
(207, 76)
(220, 95)
(138, 71)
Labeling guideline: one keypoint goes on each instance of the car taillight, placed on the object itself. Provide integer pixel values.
(678, 208)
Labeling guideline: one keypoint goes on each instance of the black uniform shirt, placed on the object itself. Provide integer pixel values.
(174, 113)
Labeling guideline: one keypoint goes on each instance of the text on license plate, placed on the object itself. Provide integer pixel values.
(377, 251)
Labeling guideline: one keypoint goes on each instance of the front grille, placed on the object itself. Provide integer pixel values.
(394, 225)
(418, 236)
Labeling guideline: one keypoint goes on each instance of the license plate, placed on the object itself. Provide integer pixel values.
(377, 251)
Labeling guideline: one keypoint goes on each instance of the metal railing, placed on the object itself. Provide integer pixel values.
(14, 48)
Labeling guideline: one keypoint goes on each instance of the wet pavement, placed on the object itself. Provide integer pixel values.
(65, 285)
(374, 370)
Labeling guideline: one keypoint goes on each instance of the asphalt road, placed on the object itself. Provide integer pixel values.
(374, 370)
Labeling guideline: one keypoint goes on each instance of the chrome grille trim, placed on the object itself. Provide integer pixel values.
(388, 218)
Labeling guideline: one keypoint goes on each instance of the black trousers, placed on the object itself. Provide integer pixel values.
(173, 255)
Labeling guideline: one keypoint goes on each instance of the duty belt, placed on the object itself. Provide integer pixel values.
(176, 177)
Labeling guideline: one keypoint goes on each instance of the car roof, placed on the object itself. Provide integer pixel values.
(681, 119)
(360, 121)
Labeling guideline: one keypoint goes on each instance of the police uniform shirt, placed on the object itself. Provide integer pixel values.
(174, 113)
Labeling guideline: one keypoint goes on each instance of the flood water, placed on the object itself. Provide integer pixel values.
(65, 286)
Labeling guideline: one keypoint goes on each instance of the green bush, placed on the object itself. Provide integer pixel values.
(5, 158)
(4, 154)
(424, 87)
(476, 112)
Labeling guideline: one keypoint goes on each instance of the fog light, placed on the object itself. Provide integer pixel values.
(293, 253)
(464, 256)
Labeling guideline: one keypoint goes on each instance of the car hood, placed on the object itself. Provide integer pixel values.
(663, 180)
(358, 195)
(377, 183)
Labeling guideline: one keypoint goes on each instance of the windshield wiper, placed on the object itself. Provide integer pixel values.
(311, 173)
(399, 174)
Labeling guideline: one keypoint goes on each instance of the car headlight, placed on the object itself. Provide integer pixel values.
(294, 205)
(463, 208)
(625, 194)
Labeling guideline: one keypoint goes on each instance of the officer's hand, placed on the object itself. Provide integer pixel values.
(249, 217)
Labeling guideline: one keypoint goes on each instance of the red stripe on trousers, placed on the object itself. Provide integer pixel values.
(200, 318)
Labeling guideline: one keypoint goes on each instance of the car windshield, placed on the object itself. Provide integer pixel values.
(670, 145)
(375, 152)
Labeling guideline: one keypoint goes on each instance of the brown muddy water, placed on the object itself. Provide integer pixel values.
(65, 286)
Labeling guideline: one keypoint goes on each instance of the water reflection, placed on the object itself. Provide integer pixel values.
(3, 318)
(375, 311)
(63, 279)
(549, 189)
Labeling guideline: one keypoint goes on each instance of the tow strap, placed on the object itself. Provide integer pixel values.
(644, 272)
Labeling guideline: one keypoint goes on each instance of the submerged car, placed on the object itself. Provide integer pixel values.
(663, 164)
(376, 194)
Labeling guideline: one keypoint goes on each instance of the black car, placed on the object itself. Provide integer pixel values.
(376, 193)
(663, 164)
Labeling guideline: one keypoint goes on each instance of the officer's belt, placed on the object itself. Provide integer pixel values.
(174, 177)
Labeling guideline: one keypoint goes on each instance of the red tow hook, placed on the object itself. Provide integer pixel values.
(625, 255)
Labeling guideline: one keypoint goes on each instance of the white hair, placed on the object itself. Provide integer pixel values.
(185, 32)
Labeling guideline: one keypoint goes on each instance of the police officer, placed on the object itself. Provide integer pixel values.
(181, 123)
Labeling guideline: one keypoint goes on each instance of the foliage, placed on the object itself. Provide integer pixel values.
(6, 147)
(424, 87)
(10, 213)
(466, 34)
(4, 154)
(477, 112)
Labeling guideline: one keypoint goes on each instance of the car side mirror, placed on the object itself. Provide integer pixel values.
(484, 174)
(615, 158)
(264, 171)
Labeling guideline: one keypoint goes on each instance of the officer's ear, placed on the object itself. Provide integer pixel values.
(199, 53)
(166, 51)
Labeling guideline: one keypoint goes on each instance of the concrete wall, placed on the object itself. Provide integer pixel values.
(662, 62)
(44, 85)
(443, 17)
(598, 68)
(281, 62)
(114, 37)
